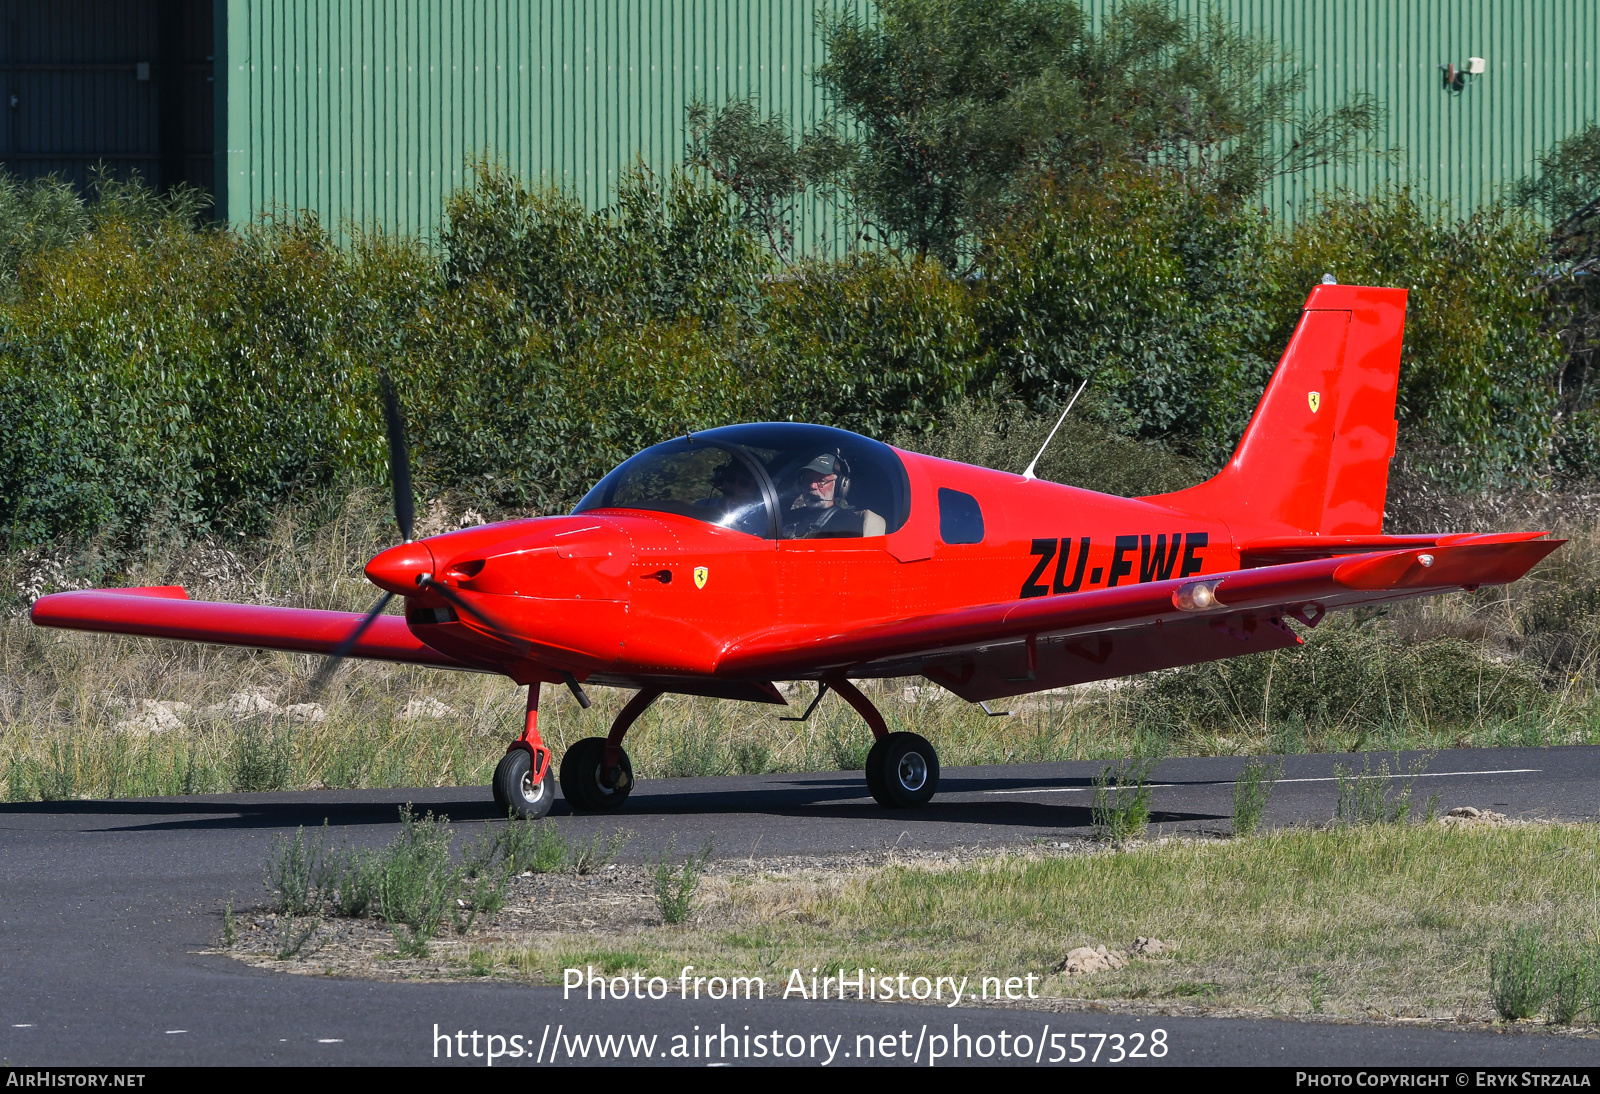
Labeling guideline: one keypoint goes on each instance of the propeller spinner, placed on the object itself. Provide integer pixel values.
(406, 569)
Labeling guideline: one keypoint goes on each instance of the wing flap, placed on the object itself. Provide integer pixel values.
(167, 612)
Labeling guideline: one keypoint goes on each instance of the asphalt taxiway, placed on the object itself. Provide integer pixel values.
(105, 905)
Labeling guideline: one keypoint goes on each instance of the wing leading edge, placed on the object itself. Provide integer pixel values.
(1017, 647)
(167, 612)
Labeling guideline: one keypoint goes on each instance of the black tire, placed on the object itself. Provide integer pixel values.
(903, 771)
(874, 767)
(581, 775)
(514, 789)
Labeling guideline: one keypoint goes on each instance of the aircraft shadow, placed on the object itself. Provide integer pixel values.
(1014, 814)
(799, 797)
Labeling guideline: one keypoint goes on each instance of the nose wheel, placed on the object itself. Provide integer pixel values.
(516, 791)
(902, 770)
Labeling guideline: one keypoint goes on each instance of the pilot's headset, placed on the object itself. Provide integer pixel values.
(841, 482)
(840, 472)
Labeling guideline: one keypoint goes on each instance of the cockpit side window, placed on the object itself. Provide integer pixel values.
(960, 517)
(830, 484)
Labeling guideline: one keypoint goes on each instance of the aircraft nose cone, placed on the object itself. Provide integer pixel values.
(397, 569)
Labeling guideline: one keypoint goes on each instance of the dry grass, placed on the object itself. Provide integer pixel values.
(1376, 921)
(1373, 922)
(100, 715)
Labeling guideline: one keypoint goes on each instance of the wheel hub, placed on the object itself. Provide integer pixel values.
(912, 771)
(531, 792)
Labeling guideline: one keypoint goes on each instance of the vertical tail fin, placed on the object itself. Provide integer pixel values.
(1315, 456)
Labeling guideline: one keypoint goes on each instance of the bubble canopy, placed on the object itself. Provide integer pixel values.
(776, 480)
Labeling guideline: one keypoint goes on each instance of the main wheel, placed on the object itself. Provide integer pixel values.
(583, 781)
(902, 771)
(874, 767)
(516, 793)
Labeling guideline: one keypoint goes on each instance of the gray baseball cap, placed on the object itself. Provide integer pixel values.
(825, 464)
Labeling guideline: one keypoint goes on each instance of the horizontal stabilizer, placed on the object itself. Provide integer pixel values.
(1281, 549)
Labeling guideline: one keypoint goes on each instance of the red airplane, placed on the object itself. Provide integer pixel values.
(719, 562)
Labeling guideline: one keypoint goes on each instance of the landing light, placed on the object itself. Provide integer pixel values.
(1197, 596)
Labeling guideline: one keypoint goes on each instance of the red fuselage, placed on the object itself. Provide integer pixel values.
(613, 592)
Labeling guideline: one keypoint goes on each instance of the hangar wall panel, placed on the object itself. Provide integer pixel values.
(369, 110)
(1542, 83)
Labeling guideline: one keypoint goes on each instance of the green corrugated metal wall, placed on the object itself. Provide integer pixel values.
(367, 109)
(1542, 83)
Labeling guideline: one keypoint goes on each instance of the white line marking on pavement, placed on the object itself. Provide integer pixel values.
(1320, 779)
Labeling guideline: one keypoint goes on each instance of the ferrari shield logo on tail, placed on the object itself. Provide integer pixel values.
(1315, 399)
(700, 575)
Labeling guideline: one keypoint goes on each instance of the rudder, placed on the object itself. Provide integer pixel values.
(1315, 457)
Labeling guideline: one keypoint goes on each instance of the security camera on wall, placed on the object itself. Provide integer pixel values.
(1476, 66)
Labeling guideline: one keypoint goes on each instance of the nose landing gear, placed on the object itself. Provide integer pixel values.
(524, 783)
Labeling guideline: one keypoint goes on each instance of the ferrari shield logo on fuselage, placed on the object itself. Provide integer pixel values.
(700, 575)
(1315, 399)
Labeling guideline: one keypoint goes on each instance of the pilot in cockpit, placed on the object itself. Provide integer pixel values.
(822, 506)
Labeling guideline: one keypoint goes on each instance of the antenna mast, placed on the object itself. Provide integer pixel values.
(1028, 474)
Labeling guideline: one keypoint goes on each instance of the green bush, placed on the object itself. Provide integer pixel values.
(417, 883)
(196, 377)
(159, 380)
(37, 215)
(1519, 979)
(1347, 677)
(676, 889)
(1085, 452)
(1479, 362)
(871, 343)
(1251, 793)
(1148, 291)
(1371, 797)
(1121, 806)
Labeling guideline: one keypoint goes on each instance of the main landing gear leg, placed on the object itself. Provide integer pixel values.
(902, 768)
(595, 773)
(524, 782)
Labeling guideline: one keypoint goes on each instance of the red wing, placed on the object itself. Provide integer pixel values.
(167, 612)
(983, 652)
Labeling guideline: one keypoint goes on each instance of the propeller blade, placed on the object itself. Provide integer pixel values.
(463, 604)
(399, 459)
(342, 650)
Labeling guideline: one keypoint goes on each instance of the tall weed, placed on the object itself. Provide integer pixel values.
(1121, 805)
(677, 888)
(417, 881)
(1251, 793)
(1519, 981)
(1370, 797)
